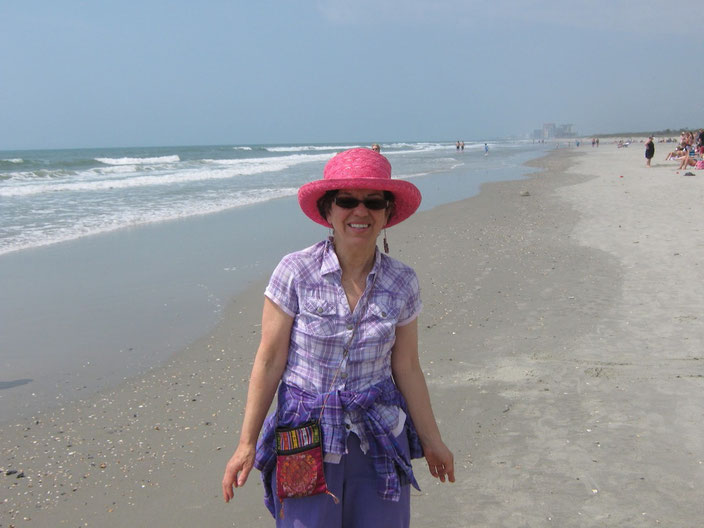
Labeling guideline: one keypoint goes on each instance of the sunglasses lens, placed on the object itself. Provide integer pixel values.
(346, 202)
(373, 204)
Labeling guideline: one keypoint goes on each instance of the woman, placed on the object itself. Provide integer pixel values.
(340, 333)
(649, 151)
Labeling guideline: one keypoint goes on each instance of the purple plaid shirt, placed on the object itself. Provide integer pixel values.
(363, 398)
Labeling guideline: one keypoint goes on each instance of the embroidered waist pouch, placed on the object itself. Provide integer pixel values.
(298, 408)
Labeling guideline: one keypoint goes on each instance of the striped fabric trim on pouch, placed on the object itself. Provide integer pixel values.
(298, 438)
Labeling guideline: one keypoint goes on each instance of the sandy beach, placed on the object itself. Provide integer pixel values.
(561, 337)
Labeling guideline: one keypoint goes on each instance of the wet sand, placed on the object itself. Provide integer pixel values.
(562, 341)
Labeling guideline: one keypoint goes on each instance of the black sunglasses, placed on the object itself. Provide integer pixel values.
(373, 204)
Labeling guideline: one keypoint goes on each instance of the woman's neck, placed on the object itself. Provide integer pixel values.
(355, 263)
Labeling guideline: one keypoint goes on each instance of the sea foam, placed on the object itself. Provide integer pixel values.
(95, 224)
(131, 176)
(139, 161)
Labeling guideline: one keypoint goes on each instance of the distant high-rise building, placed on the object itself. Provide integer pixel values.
(565, 131)
(551, 131)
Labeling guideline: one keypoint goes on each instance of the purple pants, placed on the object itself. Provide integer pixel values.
(353, 481)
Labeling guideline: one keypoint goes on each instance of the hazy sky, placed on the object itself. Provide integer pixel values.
(148, 72)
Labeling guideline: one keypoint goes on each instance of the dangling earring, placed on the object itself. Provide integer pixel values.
(386, 244)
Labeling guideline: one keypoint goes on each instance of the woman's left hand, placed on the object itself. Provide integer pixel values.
(441, 462)
(409, 378)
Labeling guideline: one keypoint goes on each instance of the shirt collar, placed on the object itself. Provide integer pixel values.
(330, 262)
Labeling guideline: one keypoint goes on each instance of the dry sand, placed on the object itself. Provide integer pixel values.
(562, 341)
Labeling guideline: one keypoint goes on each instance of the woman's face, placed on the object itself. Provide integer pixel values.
(358, 225)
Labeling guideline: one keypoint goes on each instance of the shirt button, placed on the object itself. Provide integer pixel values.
(320, 309)
(343, 375)
(348, 426)
(350, 327)
(383, 314)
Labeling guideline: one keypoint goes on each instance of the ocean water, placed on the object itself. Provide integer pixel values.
(53, 196)
(112, 260)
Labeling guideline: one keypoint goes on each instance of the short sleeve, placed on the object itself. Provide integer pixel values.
(413, 305)
(282, 289)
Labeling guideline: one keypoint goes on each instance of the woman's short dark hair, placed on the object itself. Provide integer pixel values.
(325, 202)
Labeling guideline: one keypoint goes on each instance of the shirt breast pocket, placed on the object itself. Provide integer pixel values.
(319, 317)
(382, 320)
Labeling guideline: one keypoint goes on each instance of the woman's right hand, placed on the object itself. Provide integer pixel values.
(237, 470)
(440, 459)
(269, 365)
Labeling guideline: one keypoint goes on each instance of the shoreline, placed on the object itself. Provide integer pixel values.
(110, 307)
(521, 338)
(155, 408)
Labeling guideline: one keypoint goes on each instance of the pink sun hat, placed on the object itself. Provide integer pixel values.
(359, 168)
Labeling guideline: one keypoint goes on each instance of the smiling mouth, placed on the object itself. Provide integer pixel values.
(359, 226)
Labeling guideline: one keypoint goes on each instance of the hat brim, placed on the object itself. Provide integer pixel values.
(407, 197)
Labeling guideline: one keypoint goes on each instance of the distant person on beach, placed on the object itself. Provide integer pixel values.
(649, 151)
(457, 144)
(687, 162)
(678, 153)
(486, 149)
(462, 145)
(376, 148)
(340, 341)
(686, 139)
